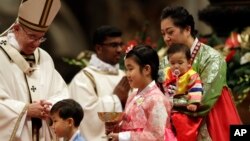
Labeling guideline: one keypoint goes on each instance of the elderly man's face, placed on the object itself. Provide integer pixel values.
(28, 39)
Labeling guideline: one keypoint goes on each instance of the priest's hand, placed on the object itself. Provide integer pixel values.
(122, 90)
(39, 109)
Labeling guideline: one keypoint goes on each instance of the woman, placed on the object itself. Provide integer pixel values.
(217, 107)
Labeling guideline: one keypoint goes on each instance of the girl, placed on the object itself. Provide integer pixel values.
(146, 110)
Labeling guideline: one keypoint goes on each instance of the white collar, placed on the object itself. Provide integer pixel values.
(148, 87)
(99, 65)
(11, 39)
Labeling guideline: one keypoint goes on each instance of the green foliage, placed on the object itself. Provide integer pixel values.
(81, 60)
(238, 76)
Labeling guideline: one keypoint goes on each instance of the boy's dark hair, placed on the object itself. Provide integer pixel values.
(68, 108)
(180, 16)
(175, 48)
(105, 31)
(145, 55)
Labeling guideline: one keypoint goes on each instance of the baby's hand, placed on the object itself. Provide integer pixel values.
(171, 90)
(192, 107)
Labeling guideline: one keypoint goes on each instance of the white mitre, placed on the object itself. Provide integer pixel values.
(37, 15)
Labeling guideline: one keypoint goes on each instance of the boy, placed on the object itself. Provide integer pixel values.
(188, 94)
(67, 115)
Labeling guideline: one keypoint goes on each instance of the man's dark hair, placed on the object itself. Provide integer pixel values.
(105, 31)
(68, 108)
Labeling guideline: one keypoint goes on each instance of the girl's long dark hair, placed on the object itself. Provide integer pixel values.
(146, 55)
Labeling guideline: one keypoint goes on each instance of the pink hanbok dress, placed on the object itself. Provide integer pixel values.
(147, 115)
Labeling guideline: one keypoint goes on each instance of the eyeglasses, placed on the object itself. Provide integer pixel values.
(33, 37)
(114, 44)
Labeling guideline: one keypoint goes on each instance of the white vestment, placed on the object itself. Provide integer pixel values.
(17, 89)
(104, 77)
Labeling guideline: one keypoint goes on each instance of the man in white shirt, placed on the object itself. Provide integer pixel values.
(101, 86)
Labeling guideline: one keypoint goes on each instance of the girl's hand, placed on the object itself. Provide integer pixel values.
(113, 136)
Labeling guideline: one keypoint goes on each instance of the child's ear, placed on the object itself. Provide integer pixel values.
(70, 121)
(147, 69)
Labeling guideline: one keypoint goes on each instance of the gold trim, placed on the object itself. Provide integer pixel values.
(32, 26)
(2, 48)
(46, 11)
(28, 87)
(91, 78)
(37, 56)
(17, 58)
(106, 72)
(12, 137)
